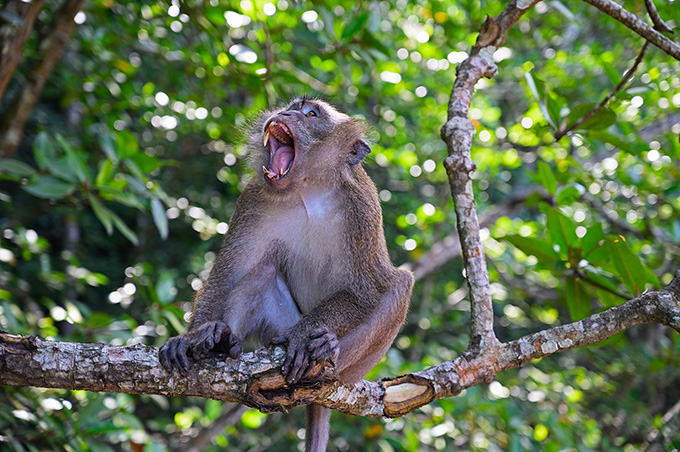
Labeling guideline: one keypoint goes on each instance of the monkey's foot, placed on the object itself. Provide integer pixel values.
(305, 350)
(215, 336)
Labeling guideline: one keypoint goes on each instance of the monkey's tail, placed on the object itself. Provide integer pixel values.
(318, 424)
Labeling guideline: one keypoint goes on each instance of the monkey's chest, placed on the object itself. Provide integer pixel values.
(315, 252)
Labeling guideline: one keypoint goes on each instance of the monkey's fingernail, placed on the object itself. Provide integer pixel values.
(266, 137)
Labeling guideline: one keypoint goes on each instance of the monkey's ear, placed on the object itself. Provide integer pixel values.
(357, 151)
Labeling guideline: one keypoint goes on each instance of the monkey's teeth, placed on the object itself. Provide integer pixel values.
(266, 137)
(280, 172)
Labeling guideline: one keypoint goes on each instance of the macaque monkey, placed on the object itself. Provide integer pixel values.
(304, 264)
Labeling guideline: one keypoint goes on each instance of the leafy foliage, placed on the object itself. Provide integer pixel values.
(114, 206)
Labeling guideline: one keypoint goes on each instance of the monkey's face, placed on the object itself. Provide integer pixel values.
(291, 139)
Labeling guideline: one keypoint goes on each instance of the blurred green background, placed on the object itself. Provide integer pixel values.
(114, 205)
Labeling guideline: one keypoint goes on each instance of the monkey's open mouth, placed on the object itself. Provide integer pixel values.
(281, 150)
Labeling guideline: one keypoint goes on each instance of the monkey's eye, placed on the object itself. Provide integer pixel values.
(309, 112)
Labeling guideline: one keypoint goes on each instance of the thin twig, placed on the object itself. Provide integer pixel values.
(659, 24)
(624, 81)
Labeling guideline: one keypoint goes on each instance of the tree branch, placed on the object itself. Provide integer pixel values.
(255, 378)
(458, 133)
(628, 19)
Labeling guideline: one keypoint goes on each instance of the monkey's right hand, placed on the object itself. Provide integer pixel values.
(215, 336)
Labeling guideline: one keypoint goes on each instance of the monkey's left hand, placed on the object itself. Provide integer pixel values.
(305, 349)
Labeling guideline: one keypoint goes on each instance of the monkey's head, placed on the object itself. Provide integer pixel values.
(307, 140)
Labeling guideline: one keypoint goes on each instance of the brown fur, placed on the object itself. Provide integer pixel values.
(304, 263)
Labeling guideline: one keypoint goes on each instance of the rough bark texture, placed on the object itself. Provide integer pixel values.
(51, 48)
(255, 378)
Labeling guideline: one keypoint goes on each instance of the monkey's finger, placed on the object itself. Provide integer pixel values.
(298, 367)
(289, 365)
(325, 352)
(177, 355)
(316, 343)
(183, 357)
(280, 340)
(236, 347)
(320, 332)
(199, 350)
(222, 333)
(163, 358)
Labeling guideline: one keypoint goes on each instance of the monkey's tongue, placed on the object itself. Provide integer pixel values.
(282, 159)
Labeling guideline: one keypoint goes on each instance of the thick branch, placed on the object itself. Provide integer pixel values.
(458, 133)
(16, 22)
(255, 379)
(628, 19)
(51, 48)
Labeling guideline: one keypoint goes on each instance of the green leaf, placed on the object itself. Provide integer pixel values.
(592, 239)
(628, 265)
(103, 214)
(561, 229)
(651, 278)
(127, 144)
(43, 148)
(578, 299)
(124, 229)
(611, 72)
(16, 168)
(159, 217)
(612, 139)
(48, 187)
(554, 104)
(546, 177)
(354, 25)
(105, 173)
(602, 119)
(537, 86)
(165, 287)
(567, 196)
(76, 159)
(108, 145)
(531, 246)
